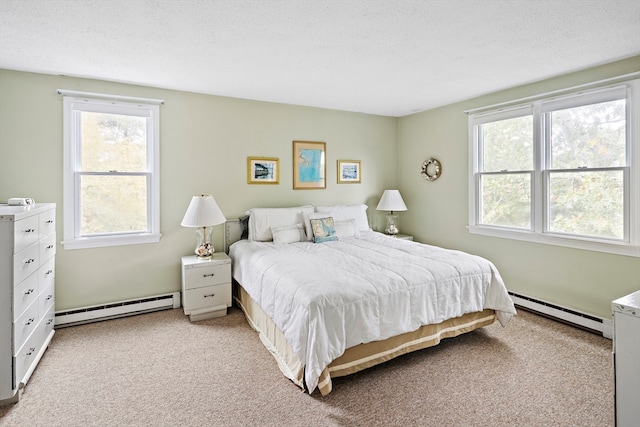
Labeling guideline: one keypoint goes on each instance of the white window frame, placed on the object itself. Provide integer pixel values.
(74, 103)
(630, 245)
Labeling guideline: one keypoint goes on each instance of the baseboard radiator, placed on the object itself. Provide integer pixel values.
(96, 313)
(564, 314)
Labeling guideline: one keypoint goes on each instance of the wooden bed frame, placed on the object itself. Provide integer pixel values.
(356, 358)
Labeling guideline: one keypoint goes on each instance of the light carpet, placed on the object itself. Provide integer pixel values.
(159, 369)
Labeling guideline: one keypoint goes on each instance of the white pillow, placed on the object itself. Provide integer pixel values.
(288, 233)
(346, 228)
(344, 212)
(262, 219)
(307, 222)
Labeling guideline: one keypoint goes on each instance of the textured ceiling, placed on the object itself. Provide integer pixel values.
(382, 57)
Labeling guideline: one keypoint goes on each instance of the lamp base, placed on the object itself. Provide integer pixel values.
(392, 224)
(204, 249)
(204, 252)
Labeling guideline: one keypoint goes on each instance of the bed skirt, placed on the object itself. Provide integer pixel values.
(356, 358)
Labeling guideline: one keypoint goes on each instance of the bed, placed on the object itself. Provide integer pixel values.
(330, 297)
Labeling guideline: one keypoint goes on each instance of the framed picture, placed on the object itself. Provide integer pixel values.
(349, 171)
(309, 165)
(263, 170)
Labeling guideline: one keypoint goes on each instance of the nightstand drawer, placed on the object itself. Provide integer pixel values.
(206, 275)
(209, 296)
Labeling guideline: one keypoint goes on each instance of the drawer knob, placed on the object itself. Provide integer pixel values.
(48, 272)
(50, 321)
(29, 291)
(48, 297)
(50, 247)
(50, 221)
(29, 230)
(30, 321)
(29, 261)
(208, 275)
(210, 295)
(31, 350)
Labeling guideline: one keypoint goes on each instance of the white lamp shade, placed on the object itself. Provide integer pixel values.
(203, 211)
(391, 200)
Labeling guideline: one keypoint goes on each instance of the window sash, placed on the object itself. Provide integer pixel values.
(580, 173)
(505, 175)
(78, 231)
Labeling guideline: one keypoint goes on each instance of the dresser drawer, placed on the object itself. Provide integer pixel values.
(210, 296)
(47, 273)
(25, 325)
(25, 233)
(207, 275)
(46, 298)
(24, 295)
(26, 355)
(25, 263)
(47, 222)
(48, 322)
(47, 247)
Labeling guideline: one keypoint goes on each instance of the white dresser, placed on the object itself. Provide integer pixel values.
(626, 359)
(27, 271)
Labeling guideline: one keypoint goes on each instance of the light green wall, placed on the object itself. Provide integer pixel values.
(438, 210)
(205, 141)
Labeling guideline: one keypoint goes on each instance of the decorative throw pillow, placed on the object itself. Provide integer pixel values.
(323, 230)
(307, 217)
(288, 233)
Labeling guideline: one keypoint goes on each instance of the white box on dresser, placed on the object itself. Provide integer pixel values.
(27, 293)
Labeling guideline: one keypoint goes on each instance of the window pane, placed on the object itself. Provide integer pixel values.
(506, 200)
(590, 135)
(587, 203)
(508, 145)
(113, 142)
(113, 204)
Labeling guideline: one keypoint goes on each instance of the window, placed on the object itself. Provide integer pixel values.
(111, 176)
(563, 170)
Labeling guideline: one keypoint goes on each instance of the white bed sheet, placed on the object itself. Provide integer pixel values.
(331, 296)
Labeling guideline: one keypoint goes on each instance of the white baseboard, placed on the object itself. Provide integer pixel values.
(580, 319)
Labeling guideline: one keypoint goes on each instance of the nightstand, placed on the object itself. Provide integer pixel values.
(206, 286)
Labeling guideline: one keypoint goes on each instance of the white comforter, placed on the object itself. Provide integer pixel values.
(331, 296)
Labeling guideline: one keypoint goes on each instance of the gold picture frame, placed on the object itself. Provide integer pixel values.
(349, 172)
(263, 170)
(309, 165)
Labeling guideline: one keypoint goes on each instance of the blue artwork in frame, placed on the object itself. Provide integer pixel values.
(309, 165)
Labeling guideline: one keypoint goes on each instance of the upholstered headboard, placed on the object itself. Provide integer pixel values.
(234, 230)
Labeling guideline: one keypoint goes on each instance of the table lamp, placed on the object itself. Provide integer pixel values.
(203, 213)
(391, 201)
